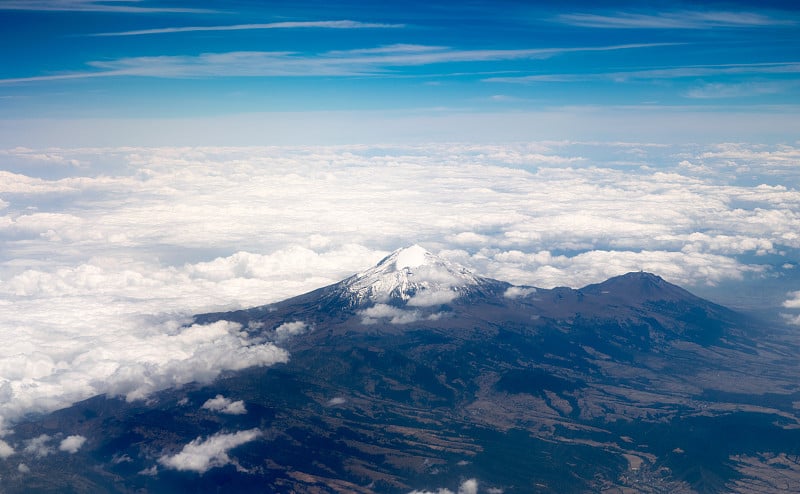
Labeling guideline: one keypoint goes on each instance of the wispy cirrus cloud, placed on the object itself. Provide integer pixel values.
(360, 62)
(685, 19)
(121, 6)
(338, 24)
(690, 71)
(739, 90)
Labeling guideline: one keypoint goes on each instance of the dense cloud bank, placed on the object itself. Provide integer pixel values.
(104, 253)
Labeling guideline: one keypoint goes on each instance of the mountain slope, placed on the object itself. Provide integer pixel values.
(417, 374)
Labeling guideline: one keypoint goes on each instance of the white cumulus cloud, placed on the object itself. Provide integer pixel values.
(5, 450)
(793, 302)
(469, 486)
(225, 405)
(429, 298)
(384, 312)
(39, 446)
(71, 444)
(519, 291)
(792, 319)
(202, 455)
(289, 329)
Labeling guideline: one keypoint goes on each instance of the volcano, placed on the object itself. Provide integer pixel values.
(418, 375)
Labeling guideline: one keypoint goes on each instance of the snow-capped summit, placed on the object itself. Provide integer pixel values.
(411, 257)
(410, 276)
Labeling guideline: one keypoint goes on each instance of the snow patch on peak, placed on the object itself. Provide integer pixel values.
(410, 276)
(411, 257)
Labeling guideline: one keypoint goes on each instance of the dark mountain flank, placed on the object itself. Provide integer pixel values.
(417, 375)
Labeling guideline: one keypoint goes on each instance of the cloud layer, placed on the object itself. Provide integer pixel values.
(105, 253)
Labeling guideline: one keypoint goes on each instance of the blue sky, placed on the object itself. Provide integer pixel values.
(117, 68)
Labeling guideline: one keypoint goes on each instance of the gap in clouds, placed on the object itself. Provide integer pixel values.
(100, 268)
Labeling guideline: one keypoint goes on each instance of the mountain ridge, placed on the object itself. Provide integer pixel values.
(619, 386)
(425, 280)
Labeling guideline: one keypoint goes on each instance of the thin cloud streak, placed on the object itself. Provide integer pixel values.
(340, 24)
(717, 90)
(672, 20)
(670, 73)
(95, 6)
(58, 77)
(360, 62)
